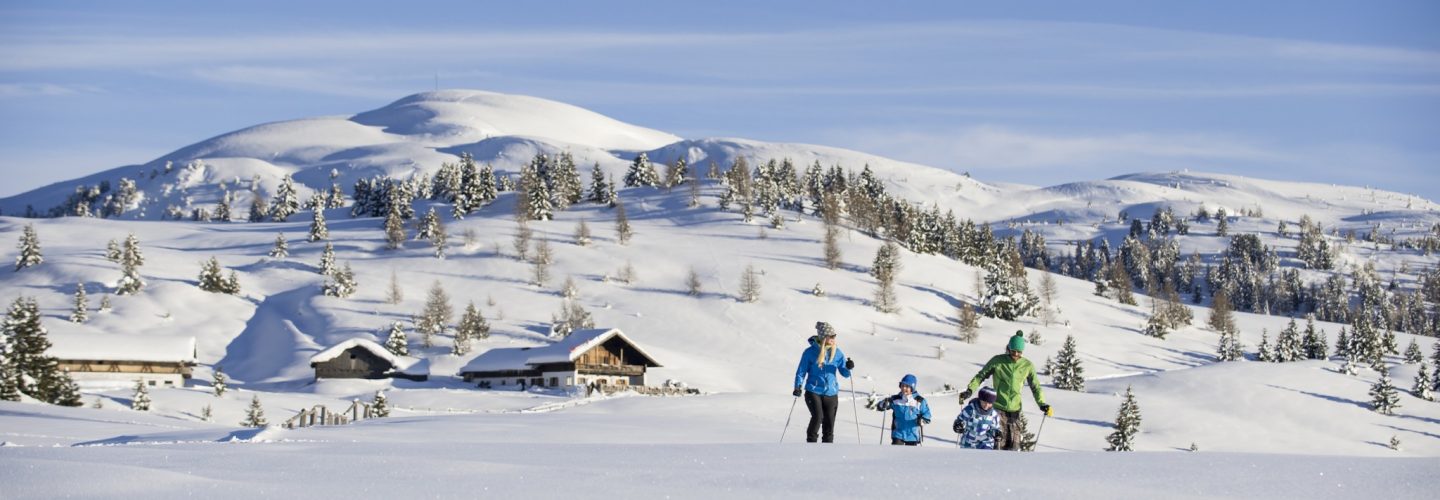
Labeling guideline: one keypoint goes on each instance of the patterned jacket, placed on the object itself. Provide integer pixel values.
(978, 428)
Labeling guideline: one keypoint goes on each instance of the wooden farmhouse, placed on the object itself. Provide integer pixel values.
(363, 358)
(601, 357)
(110, 360)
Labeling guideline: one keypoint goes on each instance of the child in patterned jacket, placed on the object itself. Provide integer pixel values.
(979, 424)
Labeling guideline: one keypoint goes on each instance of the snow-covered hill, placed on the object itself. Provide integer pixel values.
(741, 354)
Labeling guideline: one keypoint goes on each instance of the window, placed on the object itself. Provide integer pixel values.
(554, 382)
(152, 383)
(582, 381)
(169, 382)
(571, 381)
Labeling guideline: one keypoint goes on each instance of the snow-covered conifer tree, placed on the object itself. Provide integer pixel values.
(327, 260)
(427, 226)
(287, 201)
(318, 228)
(10, 380)
(130, 261)
(210, 278)
(1230, 348)
(255, 414)
(396, 341)
(1264, 352)
(218, 386)
(1127, 424)
(1412, 353)
(206, 413)
(600, 190)
(380, 407)
(341, 283)
(81, 310)
(569, 290)
(1068, 374)
(1221, 318)
(1288, 345)
(473, 323)
(140, 401)
(1424, 387)
(439, 239)
(641, 173)
(1384, 399)
(67, 392)
(281, 249)
(29, 249)
(112, 251)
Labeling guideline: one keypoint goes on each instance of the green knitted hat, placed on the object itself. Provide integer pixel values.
(1017, 342)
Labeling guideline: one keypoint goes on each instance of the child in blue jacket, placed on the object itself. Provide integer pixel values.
(911, 413)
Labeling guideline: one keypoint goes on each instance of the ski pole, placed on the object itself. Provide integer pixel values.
(793, 400)
(1043, 417)
(882, 427)
(855, 411)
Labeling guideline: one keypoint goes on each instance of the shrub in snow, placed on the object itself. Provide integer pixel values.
(217, 383)
(582, 233)
(692, 283)
(969, 324)
(623, 232)
(749, 285)
(1395, 442)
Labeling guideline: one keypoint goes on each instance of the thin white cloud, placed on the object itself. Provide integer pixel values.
(994, 147)
(310, 80)
(17, 90)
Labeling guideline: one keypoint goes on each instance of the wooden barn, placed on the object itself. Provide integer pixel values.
(363, 358)
(112, 360)
(600, 357)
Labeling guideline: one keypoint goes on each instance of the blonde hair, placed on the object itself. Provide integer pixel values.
(827, 353)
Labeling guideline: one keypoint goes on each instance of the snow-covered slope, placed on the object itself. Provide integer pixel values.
(742, 355)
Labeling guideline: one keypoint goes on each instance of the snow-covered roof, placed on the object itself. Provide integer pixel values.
(114, 347)
(566, 350)
(401, 364)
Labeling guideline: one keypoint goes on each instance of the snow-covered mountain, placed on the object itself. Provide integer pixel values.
(742, 354)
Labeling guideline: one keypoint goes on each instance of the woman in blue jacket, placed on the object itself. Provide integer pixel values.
(815, 378)
(911, 413)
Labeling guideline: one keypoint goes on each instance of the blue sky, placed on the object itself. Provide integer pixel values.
(1028, 92)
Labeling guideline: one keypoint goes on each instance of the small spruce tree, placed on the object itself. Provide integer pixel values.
(81, 310)
(318, 229)
(1068, 373)
(692, 283)
(380, 406)
(218, 386)
(1127, 424)
(1384, 399)
(397, 342)
(327, 260)
(1412, 353)
(281, 249)
(255, 414)
(436, 316)
(1424, 387)
(140, 401)
(623, 232)
(29, 249)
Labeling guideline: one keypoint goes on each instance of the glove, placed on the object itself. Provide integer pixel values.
(964, 396)
(849, 363)
(1046, 410)
(959, 427)
(883, 405)
(797, 392)
(924, 420)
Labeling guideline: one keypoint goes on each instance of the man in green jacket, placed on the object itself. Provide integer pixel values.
(1011, 371)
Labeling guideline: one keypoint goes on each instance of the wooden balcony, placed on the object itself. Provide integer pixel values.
(592, 369)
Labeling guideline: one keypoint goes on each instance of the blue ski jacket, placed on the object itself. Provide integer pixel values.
(818, 376)
(909, 414)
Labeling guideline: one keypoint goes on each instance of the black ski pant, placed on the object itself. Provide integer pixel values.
(822, 413)
(897, 442)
